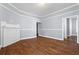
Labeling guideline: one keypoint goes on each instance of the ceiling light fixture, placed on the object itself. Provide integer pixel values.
(41, 4)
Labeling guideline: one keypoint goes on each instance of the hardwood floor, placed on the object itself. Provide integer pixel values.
(41, 46)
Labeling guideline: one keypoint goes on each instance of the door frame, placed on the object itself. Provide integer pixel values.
(64, 33)
(37, 34)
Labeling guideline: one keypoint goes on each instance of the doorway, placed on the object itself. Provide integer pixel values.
(71, 28)
(38, 28)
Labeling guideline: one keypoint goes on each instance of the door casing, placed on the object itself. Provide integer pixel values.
(64, 31)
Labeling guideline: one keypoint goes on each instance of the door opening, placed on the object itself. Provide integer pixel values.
(70, 29)
(38, 27)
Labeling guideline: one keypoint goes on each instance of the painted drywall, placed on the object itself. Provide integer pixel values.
(78, 31)
(52, 26)
(7, 35)
(26, 30)
(72, 14)
(0, 25)
(74, 20)
(28, 27)
(68, 26)
(0, 33)
(11, 34)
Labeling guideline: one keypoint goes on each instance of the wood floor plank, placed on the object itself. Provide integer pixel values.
(41, 46)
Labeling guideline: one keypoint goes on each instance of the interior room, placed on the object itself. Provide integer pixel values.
(39, 28)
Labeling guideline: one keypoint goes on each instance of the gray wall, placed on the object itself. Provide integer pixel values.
(68, 26)
(9, 18)
(52, 27)
(74, 20)
(72, 14)
(28, 27)
(78, 30)
(0, 26)
(52, 24)
(27, 23)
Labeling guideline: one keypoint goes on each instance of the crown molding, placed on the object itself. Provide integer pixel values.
(62, 14)
(24, 12)
(44, 15)
(3, 6)
(32, 15)
(61, 10)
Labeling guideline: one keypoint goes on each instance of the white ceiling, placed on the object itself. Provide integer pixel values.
(39, 9)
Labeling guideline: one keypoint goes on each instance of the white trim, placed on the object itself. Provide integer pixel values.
(70, 25)
(14, 11)
(27, 38)
(77, 42)
(9, 9)
(61, 14)
(61, 10)
(28, 29)
(48, 14)
(19, 28)
(73, 35)
(50, 29)
(21, 10)
(78, 29)
(76, 25)
(51, 37)
(63, 28)
(5, 45)
(0, 46)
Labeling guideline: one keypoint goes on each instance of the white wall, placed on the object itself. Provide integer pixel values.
(74, 20)
(0, 33)
(9, 18)
(72, 14)
(78, 30)
(52, 25)
(0, 25)
(11, 34)
(27, 26)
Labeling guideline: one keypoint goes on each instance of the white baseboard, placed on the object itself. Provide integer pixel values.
(73, 35)
(5, 45)
(77, 41)
(51, 37)
(17, 41)
(28, 37)
(0, 46)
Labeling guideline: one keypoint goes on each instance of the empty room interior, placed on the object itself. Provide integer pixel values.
(39, 28)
